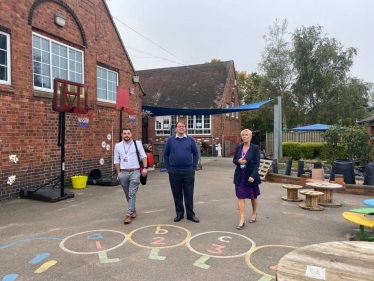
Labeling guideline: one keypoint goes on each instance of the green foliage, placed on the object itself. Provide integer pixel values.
(310, 150)
(356, 143)
(333, 138)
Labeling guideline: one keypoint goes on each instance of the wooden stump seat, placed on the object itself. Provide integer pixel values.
(311, 200)
(292, 192)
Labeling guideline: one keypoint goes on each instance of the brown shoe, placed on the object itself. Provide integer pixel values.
(133, 215)
(127, 220)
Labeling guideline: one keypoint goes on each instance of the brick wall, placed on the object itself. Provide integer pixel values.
(29, 126)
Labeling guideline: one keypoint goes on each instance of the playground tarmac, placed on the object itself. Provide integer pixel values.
(84, 238)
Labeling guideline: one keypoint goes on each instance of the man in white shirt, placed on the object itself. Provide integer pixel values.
(128, 169)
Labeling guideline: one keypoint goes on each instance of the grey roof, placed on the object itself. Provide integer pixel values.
(366, 120)
(193, 86)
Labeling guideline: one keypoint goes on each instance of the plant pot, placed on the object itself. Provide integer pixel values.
(79, 182)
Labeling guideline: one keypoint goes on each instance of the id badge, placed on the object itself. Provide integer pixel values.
(125, 158)
(242, 166)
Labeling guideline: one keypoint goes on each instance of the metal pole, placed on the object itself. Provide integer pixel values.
(62, 116)
(280, 127)
(120, 124)
(276, 132)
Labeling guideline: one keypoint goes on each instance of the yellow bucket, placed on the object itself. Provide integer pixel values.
(79, 182)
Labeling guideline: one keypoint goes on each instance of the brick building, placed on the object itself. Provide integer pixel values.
(203, 86)
(74, 40)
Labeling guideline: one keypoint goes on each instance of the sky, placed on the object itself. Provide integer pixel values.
(170, 33)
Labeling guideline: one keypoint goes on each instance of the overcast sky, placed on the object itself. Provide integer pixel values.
(195, 31)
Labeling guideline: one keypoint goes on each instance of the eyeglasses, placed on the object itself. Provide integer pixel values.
(181, 126)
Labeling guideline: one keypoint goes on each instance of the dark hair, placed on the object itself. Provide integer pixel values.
(126, 129)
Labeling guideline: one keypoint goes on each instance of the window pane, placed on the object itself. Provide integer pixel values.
(46, 82)
(37, 80)
(3, 73)
(3, 42)
(79, 78)
(36, 55)
(45, 70)
(2, 57)
(37, 68)
(45, 57)
(45, 45)
(36, 42)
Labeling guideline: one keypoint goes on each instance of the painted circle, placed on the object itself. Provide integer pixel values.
(101, 161)
(220, 257)
(107, 147)
(109, 137)
(103, 144)
(62, 246)
(129, 237)
(248, 257)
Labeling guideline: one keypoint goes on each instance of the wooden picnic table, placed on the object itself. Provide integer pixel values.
(369, 202)
(343, 261)
(327, 188)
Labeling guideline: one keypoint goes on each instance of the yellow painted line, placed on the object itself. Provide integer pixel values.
(248, 258)
(188, 236)
(45, 266)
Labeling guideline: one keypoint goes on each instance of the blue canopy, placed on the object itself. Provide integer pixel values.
(314, 127)
(161, 111)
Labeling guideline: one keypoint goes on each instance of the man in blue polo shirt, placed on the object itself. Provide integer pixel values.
(181, 158)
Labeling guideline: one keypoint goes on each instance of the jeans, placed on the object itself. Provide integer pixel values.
(182, 186)
(130, 183)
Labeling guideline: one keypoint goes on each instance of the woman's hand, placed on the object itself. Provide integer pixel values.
(242, 161)
(251, 179)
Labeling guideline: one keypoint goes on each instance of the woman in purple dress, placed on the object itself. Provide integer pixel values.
(246, 177)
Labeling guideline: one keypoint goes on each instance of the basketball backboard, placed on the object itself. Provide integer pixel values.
(68, 95)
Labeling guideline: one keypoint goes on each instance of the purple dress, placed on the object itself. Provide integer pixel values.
(246, 192)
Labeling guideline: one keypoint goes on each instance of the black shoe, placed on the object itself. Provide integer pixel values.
(194, 219)
(240, 227)
(178, 218)
(253, 221)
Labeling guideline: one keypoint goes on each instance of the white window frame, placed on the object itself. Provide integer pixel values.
(110, 85)
(163, 124)
(237, 115)
(227, 106)
(232, 113)
(198, 125)
(8, 62)
(69, 64)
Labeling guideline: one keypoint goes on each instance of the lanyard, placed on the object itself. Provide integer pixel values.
(243, 154)
(124, 148)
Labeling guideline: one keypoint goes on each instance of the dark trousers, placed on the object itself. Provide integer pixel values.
(182, 184)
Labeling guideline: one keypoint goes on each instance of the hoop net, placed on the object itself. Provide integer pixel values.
(83, 116)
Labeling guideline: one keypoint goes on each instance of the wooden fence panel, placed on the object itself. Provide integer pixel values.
(293, 137)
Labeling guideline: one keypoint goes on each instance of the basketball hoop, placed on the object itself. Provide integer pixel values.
(83, 116)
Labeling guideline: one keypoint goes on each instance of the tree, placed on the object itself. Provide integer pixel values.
(276, 65)
(323, 92)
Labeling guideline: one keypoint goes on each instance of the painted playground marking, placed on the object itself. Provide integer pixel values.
(216, 249)
(97, 235)
(161, 240)
(248, 258)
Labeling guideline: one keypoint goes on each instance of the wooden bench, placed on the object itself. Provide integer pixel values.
(292, 192)
(362, 221)
(311, 200)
